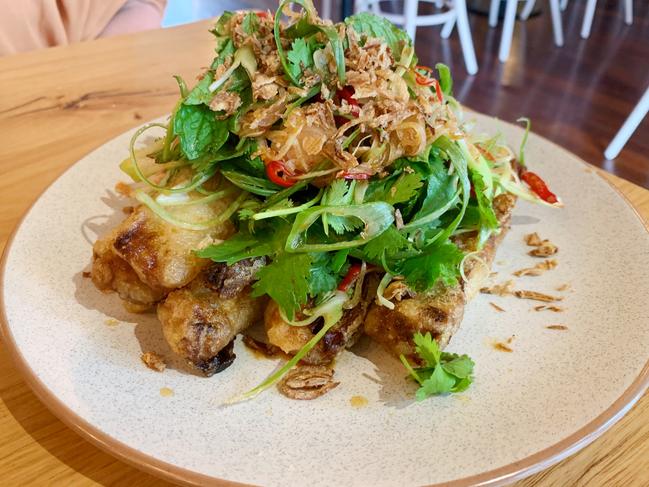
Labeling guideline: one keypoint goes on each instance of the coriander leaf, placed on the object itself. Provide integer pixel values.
(299, 57)
(404, 189)
(439, 382)
(340, 193)
(427, 349)
(199, 131)
(238, 247)
(337, 193)
(390, 242)
(440, 192)
(381, 28)
(443, 372)
(461, 366)
(342, 224)
(322, 278)
(438, 262)
(286, 281)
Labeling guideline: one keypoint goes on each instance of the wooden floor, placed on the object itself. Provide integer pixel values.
(577, 95)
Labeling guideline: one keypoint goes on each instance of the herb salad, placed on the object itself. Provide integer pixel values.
(343, 162)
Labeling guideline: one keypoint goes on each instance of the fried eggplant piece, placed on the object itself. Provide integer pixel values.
(144, 258)
(201, 320)
(440, 310)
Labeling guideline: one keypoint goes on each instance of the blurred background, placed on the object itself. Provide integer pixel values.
(577, 68)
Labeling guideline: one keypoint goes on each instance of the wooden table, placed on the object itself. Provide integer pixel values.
(57, 105)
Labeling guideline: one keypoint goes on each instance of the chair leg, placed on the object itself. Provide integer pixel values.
(410, 18)
(557, 28)
(628, 12)
(493, 13)
(326, 9)
(464, 30)
(448, 28)
(508, 30)
(527, 9)
(628, 127)
(588, 19)
(564, 5)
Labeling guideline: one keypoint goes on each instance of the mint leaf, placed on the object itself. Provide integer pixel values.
(286, 281)
(250, 23)
(199, 131)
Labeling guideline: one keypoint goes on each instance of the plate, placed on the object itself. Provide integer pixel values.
(555, 392)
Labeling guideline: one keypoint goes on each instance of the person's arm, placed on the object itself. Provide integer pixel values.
(134, 16)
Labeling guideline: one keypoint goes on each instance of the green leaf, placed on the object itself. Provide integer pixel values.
(439, 382)
(438, 262)
(323, 278)
(200, 93)
(443, 372)
(461, 366)
(390, 242)
(199, 131)
(488, 219)
(250, 23)
(377, 217)
(427, 349)
(286, 281)
(441, 188)
(221, 27)
(224, 51)
(445, 80)
(299, 57)
(381, 28)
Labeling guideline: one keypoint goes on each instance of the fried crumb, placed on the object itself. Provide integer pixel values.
(154, 361)
(563, 287)
(86, 274)
(536, 296)
(546, 249)
(538, 269)
(557, 327)
(493, 274)
(307, 382)
(166, 392)
(123, 189)
(545, 307)
(137, 116)
(264, 349)
(496, 307)
(532, 239)
(111, 322)
(501, 347)
(127, 210)
(499, 289)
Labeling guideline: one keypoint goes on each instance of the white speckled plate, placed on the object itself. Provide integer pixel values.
(557, 390)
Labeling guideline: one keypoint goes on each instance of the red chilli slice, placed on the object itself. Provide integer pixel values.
(350, 277)
(538, 186)
(279, 175)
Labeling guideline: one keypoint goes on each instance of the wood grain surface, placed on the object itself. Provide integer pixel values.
(56, 106)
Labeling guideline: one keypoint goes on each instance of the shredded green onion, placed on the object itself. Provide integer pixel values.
(287, 211)
(385, 281)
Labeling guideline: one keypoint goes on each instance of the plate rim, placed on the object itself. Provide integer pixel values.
(506, 474)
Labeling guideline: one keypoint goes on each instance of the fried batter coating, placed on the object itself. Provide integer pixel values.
(201, 320)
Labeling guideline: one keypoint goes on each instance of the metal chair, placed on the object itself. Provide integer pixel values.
(628, 127)
(590, 13)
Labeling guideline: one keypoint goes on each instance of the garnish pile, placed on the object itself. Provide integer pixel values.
(341, 156)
